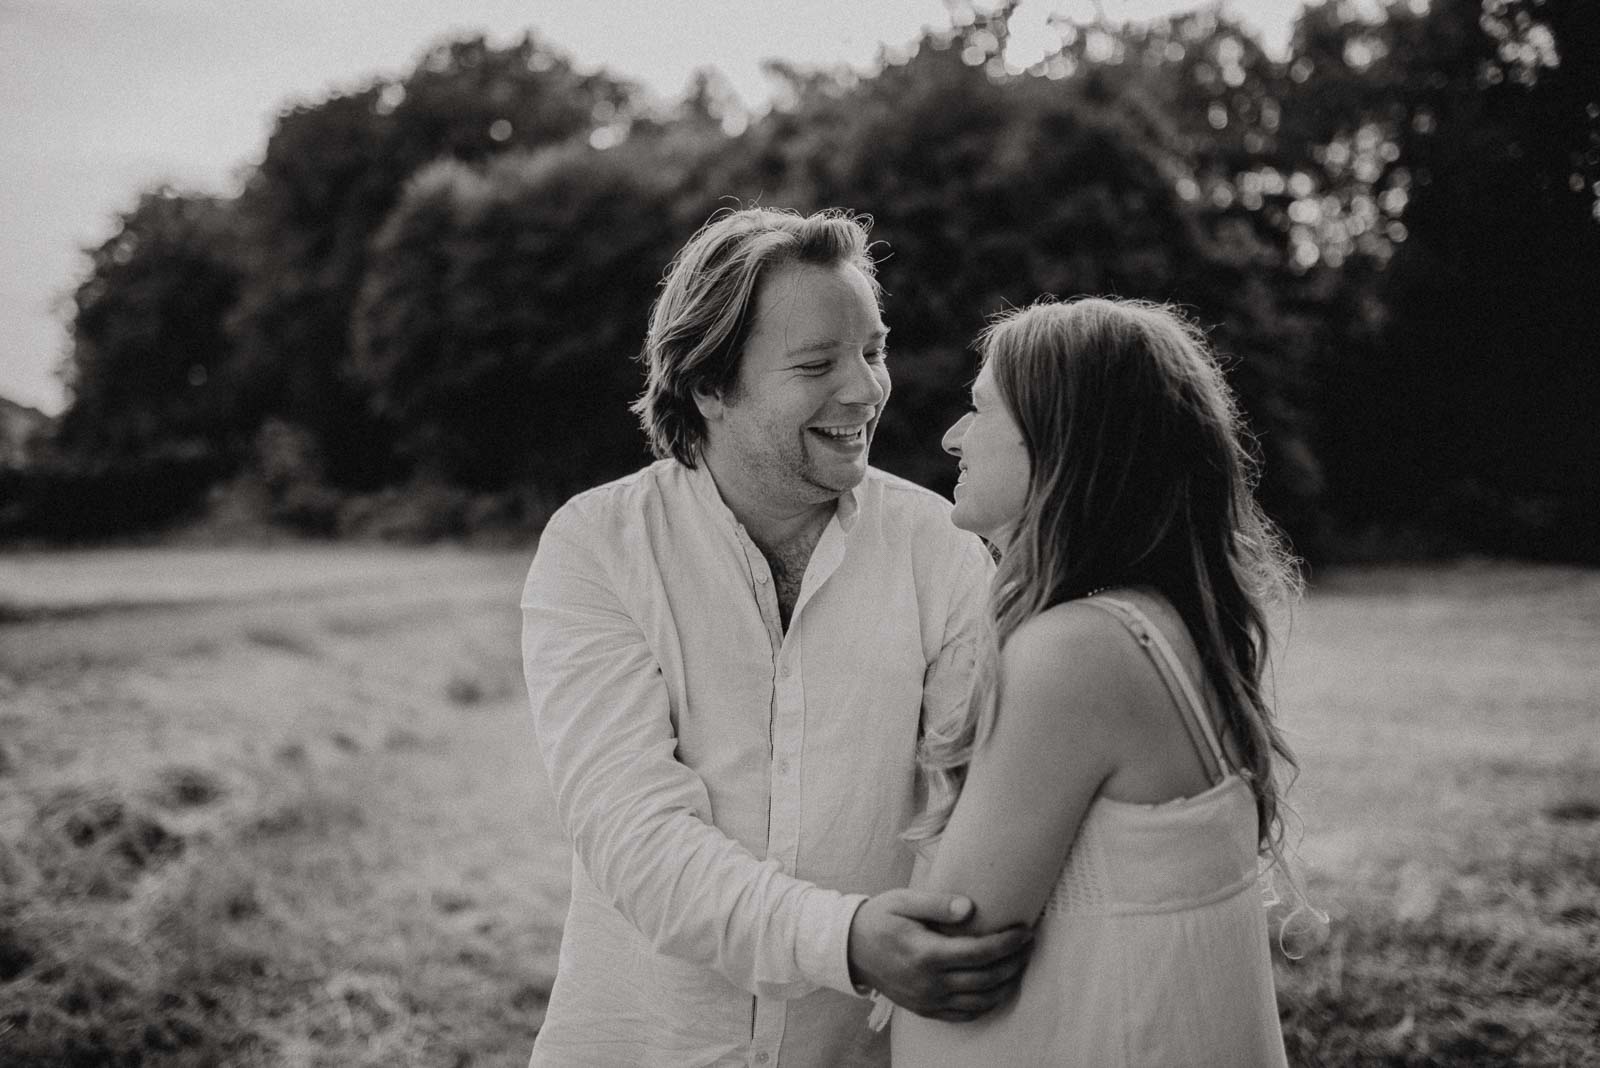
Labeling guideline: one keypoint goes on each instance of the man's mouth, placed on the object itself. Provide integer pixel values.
(842, 435)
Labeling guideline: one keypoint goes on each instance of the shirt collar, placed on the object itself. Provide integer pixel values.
(705, 488)
(849, 506)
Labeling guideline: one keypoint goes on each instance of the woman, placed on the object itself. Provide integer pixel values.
(1118, 778)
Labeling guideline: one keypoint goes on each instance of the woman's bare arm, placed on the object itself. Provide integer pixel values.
(1061, 716)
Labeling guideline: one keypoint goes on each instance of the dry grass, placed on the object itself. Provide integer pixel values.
(258, 824)
(284, 808)
(1449, 724)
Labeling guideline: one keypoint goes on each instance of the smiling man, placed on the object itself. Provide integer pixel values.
(731, 655)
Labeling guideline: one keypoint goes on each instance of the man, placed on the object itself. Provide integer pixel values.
(730, 656)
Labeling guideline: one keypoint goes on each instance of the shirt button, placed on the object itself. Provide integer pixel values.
(763, 1057)
(786, 671)
(783, 767)
(762, 578)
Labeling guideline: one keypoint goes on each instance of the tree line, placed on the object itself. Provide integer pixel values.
(420, 316)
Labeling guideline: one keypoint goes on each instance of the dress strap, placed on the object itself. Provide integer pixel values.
(1191, 709)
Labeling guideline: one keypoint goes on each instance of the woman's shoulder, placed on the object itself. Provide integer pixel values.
(1074, 647)
(1089, 631)
(1068, 675)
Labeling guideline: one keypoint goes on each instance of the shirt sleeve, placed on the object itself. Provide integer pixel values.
(947, 684)
(638, 818)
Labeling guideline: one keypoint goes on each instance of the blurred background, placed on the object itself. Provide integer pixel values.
(309, 319)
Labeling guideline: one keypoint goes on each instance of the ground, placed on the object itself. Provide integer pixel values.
(284, 807)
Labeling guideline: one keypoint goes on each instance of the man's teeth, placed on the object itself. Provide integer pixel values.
(839, 433)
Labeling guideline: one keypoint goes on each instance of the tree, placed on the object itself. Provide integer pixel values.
(1469, 136)
(331, 174)
(151, 367)
(498, 324)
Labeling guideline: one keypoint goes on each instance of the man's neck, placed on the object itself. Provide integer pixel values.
(771, 524)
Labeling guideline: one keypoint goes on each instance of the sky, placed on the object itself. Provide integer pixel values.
(100, 99)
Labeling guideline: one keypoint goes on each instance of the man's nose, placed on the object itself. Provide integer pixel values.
(867, 385)
(951, 441)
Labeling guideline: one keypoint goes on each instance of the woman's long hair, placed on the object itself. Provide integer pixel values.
(1142, 475)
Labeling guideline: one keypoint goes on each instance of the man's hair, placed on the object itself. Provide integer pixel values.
(701, 320)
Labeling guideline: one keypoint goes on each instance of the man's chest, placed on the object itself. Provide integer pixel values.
(788, 564)
(852, 625)
(809, 725)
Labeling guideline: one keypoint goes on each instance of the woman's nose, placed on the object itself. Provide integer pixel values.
(952, 437)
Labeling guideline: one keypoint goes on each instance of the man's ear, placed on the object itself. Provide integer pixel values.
(710, 405)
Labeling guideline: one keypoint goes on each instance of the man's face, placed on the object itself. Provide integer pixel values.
(811, 384)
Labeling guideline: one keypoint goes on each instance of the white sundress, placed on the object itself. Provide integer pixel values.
(1153, 948)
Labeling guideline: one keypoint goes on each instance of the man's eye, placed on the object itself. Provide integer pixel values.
(817, 368)
(878, 355)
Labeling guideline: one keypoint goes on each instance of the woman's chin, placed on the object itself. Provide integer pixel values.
(964, 519)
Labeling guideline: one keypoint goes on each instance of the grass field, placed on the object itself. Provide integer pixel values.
(283, 807)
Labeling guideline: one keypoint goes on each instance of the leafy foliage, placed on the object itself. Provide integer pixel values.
(1473, 134)
(498, 325)
(332, 173)
(436, 284)
(151, 362)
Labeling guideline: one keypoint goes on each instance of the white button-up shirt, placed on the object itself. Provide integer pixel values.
(733, 791)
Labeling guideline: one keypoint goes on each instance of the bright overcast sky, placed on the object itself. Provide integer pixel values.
(102, 98)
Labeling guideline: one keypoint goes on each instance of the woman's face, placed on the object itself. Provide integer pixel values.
(995, 467)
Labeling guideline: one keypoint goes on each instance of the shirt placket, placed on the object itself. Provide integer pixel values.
(786, 778)
(786, 718)
(783, 821)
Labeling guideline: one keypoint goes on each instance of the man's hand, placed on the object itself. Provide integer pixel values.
(896, 949)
